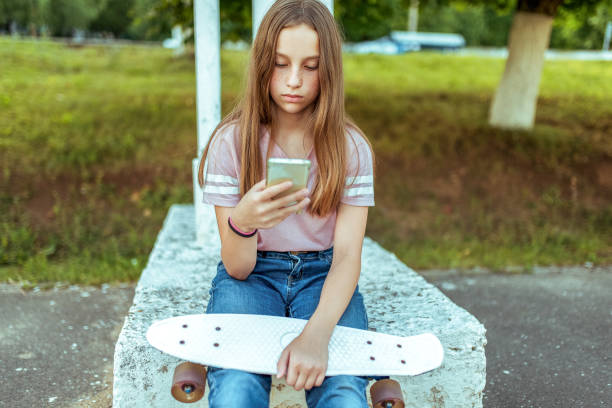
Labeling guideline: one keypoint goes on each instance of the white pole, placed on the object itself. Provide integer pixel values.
(260, 7)
(330, 5)
(607, 35)
(208, 88)
(208, 68)
(413, 16)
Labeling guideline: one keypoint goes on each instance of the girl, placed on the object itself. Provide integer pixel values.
(278, 260)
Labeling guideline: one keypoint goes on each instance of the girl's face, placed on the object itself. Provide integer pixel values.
(295, 81)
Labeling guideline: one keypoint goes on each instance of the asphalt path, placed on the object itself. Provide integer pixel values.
(57, 346)
(548, 338)
(549, 335)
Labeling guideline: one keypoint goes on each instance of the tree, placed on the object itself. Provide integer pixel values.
(235, 16)
(20, 13)
(582, 28)
(361, 20)
(480, 24)
(147, 24)
(64, 16)
(514, 103)
(115, 17)
(365, 20)
(180, 11)
(236, 20)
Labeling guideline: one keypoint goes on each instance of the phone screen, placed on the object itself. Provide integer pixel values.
(281, 170)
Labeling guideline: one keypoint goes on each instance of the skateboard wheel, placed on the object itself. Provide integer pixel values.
(189, 382)
(387, 394)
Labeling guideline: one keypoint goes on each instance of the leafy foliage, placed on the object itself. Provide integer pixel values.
(365, 20)
(114, 18)
(21, 12)
(147, 24)
(180, 11)
(578, 23)
(581, 28)
(536, 6)
(64, 16)
(236, 20)
(480, 25)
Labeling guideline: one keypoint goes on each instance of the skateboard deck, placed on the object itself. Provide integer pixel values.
(254, 343)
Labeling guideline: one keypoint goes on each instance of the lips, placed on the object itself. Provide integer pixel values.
(292, 98)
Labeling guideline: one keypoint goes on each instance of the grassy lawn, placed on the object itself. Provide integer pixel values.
(96, 143)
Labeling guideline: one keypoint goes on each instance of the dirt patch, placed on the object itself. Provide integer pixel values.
(604, 175)
(69, 190)
(413, 193)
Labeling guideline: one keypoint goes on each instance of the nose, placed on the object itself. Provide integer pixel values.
(295, 79)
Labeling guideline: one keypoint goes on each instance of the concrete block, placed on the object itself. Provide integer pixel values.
(399, 301)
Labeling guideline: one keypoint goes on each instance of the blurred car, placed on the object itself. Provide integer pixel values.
(384, 45)
(400, 42)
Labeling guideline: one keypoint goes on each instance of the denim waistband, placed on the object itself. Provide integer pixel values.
(286, 255)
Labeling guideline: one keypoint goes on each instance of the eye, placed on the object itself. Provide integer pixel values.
(312, 68)
(280, 65)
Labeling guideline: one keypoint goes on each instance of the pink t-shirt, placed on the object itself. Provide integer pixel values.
(302, 232)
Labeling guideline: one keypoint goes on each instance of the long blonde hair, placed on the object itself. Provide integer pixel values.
(329, 121)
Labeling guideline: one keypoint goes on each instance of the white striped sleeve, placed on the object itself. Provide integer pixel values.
(359, 185)
(221, 184)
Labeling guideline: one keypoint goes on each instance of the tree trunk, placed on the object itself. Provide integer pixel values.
(514, 103)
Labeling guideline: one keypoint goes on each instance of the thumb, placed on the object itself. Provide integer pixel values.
(281, 366)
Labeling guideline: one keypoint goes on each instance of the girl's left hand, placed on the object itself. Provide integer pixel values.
(304, 361)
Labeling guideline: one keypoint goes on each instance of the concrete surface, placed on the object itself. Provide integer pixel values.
(177, 279)
(56, 346)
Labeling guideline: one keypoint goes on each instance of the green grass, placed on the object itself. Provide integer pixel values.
(96, 143)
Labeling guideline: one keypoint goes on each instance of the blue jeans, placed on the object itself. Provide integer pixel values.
(282, 284)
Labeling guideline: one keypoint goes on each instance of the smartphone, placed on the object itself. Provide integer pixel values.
(281, 170)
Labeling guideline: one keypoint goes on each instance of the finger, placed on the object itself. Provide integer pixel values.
(281, 214)
(292, 373)
(261, 185)
(276, 189)
(310, 381)
(320, 380)
(279, 209)
(299, 384)
(281, 366)
(303, 204)
(293, 197)
(286, 211)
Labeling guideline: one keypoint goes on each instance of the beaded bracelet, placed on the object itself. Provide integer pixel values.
(237, 230)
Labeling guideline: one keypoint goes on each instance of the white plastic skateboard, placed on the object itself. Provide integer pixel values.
(254, 343)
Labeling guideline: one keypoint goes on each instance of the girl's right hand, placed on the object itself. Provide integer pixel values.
(258, 209)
